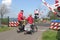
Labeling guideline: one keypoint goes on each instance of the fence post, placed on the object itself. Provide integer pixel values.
(8, 21)
(0, 21)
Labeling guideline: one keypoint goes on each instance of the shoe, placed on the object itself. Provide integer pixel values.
(18, 31)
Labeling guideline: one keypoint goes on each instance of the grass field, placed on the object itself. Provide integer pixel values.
(50, 35)
(4, 28)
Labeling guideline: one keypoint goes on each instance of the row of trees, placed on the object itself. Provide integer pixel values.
(52, 15)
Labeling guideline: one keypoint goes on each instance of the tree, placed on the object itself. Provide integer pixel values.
(51, 15)
(3, 10)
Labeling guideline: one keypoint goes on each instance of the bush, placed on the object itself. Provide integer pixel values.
(58, 35)
(5, 21)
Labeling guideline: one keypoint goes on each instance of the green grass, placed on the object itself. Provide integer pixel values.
(49, 35)
(4, 28)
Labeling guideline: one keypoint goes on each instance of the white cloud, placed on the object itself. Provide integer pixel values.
(7, 2)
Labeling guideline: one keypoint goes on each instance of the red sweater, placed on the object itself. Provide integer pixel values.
(30, 20)
(20, 16)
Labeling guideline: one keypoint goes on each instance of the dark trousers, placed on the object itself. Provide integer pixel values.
(34, 27)
(21, 27)
(20, 23)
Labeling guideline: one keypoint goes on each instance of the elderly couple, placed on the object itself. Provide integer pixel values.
(29, 19)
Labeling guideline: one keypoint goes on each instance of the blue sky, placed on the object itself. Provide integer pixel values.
(28, 6)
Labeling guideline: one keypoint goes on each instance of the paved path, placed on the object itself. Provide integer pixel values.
(13, 35)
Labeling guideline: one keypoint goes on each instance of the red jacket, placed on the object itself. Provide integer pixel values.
(20, 16)
(30, 20)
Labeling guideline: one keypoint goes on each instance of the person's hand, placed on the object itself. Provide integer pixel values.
(18, 23)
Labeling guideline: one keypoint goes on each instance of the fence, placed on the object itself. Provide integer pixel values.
(13, 22)
(55, 24)
(10, 22)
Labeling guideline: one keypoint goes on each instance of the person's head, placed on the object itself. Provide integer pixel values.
(36, 9)
(22, 11)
